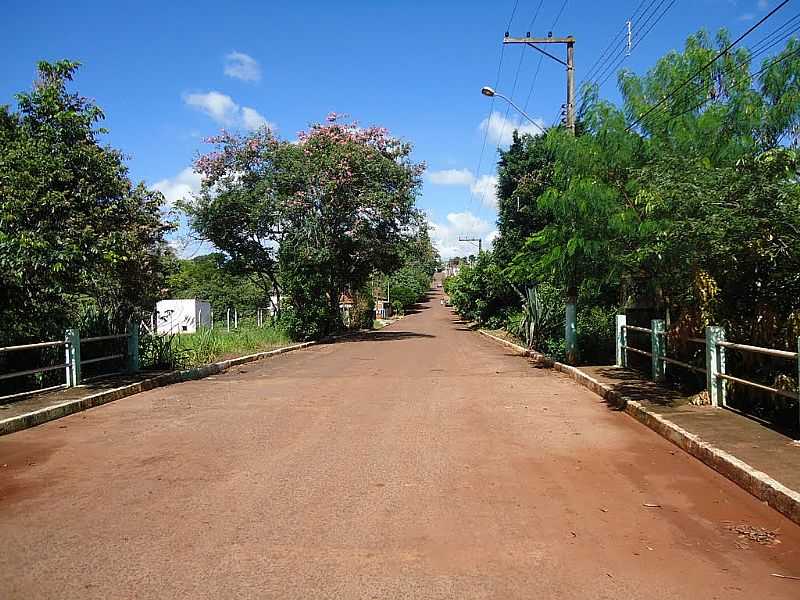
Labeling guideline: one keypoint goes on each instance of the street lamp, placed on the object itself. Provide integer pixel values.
(490, 92)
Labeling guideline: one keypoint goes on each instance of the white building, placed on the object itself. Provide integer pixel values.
(182, 316)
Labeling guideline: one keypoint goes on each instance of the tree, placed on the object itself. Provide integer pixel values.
(239, 208)
(72, 225)
(316, 217)
(207, 277)
(690, 205)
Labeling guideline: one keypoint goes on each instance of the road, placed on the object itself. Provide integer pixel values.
(419, 461)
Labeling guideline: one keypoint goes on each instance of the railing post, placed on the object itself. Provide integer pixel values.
(798, 378)
(133, 347)
(659, 344)
(571, 333)
(715, 364)
(622, 341)
(73, 357)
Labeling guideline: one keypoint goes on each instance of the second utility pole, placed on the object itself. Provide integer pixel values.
(569, 41)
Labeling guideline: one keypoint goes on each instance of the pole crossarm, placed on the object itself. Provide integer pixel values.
(569, 63)
(545, 40)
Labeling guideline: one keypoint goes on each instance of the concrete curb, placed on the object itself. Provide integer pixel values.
(50, 413)
(757, 483)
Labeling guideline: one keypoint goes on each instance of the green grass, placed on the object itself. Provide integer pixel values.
(210, 345)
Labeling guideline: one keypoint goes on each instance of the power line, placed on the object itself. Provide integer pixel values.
(705, 101)
(491, 111)
(560, 12)
(541, 57)
(706, 65)
(516, 75)
(491, 104)
(614, 40)
(609, 70)
(767, 43)
(511, 18)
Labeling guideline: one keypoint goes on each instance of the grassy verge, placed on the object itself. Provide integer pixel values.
(210, 345)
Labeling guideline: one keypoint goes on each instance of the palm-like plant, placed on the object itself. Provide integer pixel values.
(539, 318)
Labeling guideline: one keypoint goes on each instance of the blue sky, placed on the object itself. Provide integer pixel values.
(169, 73)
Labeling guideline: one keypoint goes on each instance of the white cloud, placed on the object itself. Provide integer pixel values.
(747, 17)
(452, 177)
(499, 130)
(763, 4)
(251, 119)
(462, 224)
(222, 109)
(218, 106)
(242, 66)
(485, 189)
(183, 185)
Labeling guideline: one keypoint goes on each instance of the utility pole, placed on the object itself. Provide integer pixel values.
(569, 42)
(466, 239)
(570, 320)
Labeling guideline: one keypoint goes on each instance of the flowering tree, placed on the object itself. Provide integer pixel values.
(317, 216)
(239, 207)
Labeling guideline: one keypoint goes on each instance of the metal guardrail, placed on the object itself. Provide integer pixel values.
(722, 345)
(100, 338)
(21, 347)
(73, 362)
(32, 346)
(715, 372)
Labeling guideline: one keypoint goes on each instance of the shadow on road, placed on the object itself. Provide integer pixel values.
(383, 336)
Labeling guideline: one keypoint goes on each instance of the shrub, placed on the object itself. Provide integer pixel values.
(596, 337)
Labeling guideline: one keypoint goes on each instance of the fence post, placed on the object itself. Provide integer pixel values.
(133, 347)
(228, 319)
(798, 377)
(622, 341)
(571, 334)
(659, 345)
(715, 363)
(235, 318)
(73, 357)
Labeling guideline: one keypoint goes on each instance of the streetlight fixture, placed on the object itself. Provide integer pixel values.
(490, 92)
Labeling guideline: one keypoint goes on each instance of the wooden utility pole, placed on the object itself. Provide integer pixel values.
(569, 42)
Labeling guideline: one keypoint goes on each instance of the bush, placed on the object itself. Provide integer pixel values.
(159, 352)
(596, 337)
(555, 348)
(481, 293)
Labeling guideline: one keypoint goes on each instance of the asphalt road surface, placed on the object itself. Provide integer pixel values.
(420, 461)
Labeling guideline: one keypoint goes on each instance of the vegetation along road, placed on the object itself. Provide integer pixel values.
(418, 461)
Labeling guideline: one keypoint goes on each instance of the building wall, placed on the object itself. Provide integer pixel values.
(182, 316)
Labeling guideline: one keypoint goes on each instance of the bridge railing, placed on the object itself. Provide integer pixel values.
(716, 347)
(72, 344)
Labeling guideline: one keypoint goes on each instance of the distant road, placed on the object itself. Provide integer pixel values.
(419, 461)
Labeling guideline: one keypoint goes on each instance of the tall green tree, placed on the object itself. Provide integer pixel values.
(72, 224)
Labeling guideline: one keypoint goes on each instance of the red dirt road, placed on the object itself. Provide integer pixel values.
(421, 461)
